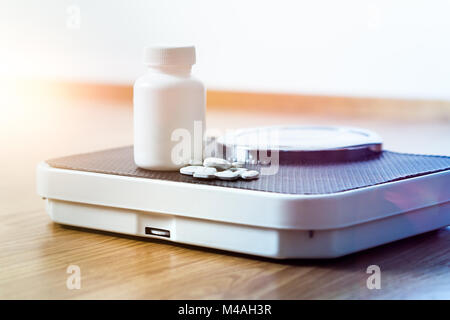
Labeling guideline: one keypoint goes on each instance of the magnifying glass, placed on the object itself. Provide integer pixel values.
(299, 143)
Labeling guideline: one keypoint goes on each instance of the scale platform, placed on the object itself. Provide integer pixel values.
(309, 209)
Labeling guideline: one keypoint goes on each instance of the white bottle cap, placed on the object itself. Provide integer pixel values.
(169, 56)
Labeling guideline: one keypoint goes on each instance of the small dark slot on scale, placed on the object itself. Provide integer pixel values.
(157, 232)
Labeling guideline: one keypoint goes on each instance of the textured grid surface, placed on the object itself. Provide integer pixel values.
(306, 177)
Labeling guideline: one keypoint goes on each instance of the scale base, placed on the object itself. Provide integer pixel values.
(266, 242)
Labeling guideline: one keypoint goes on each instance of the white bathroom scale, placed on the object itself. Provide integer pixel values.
(334, 192)
(309, 209)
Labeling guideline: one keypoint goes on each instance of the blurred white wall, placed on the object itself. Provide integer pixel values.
(387, 48)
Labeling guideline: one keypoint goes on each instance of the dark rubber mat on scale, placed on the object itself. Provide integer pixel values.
(303, 177)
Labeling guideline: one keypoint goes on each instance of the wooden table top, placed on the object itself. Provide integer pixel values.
(35, 253)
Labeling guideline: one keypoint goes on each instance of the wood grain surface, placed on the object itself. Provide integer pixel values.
(35, 252)
(336, 106)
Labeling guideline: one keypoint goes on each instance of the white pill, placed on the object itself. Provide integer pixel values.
(217, 163)
(205, 173)
(238, 164)
(189, 170)
(249, 174)
(228, 175)
(195, 162)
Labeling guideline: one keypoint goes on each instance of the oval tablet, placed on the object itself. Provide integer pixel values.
(228, 175)
(189, 170)
(217, 163)
(249, 174)
(205, 173)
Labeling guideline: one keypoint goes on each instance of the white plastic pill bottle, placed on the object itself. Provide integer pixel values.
(169, 110)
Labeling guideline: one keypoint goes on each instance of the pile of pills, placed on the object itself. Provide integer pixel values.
(219, 168)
